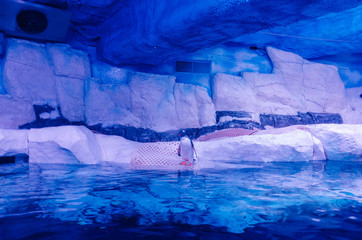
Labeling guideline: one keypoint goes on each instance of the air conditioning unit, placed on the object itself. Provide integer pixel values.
(35, 21)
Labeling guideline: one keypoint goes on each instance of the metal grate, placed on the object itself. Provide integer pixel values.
(157, 154)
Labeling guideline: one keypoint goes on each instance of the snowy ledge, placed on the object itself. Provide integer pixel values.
(79, 145)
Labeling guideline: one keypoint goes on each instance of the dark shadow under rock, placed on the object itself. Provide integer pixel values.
(278, 121)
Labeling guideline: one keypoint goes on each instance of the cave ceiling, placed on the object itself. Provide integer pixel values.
(155, 31)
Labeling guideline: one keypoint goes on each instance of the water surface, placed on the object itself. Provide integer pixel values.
(315, 200)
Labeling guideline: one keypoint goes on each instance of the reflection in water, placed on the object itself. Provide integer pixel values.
(248, 200)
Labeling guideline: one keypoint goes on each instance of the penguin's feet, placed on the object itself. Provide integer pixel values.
(186, 163)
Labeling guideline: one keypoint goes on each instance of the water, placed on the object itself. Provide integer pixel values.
(315, 200)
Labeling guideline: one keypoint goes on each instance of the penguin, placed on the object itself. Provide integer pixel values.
(186, 149)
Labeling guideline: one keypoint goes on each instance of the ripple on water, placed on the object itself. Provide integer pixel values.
(323, 195)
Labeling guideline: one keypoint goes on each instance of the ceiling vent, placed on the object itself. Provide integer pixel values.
(193, 66)
(35, 21)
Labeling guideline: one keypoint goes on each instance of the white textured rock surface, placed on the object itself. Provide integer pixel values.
(292, 146)
(271, 94)
(69, 62)
(13, 142)
(318, 149)
(295, 85)
(232, 93)
(205, 107)
(116, 149)
(27, 73)
(353, 112)
(70, 93)
(75, 144)
(109, 74)
(194, 106)
(317, 85)
(340, 141)
(109, 104)
(65, 144)
(186, 106)
(152, 100)
(55, 74)
(14, 113)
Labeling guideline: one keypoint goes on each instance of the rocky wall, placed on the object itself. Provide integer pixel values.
(53, 84)
(79, 145)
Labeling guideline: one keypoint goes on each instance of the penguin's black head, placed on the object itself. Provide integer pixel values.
(182, 133)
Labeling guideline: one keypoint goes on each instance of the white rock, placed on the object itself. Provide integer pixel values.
(279, 57)
(318, 150)
(52, 115)
(232, 93)
(70, 94)
(65, 144)
(292, 146)
(295, 85)
(27, 73)
(13, 142)
(116, 149)
(69, 62)
(109, 104)
(186, 106)
(152, 100)
(166, 117)
(270, 91)
(340, 141)
(323, 88)
(353, 112)
(194, 106)
(14, 113)
(109, 74)
(205, 107)
(317, 85)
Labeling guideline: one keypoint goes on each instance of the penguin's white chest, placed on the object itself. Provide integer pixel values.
(186, 150)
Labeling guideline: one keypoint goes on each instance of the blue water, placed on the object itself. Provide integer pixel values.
(315, 200)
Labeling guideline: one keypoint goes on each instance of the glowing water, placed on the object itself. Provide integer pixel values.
(283, 200)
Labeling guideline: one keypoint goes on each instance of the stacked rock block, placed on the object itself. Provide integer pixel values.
(51, 84)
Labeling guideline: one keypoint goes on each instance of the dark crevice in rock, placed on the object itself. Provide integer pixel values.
(237, 114)
(50, 123)
(149, 135)
(14, 159)
(39, 109)
(8, 159)
(278, 121)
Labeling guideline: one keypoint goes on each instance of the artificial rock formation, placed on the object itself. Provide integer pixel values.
(353, 112)
(50, 74)
(63, 79)
(341, 142)
(78, 145)
(15, 112)
(13, 142)
(56, 75)
(297, 145)
(296, 85)
(65, 144)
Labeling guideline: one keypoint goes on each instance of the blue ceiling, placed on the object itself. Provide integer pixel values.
(154, 31)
